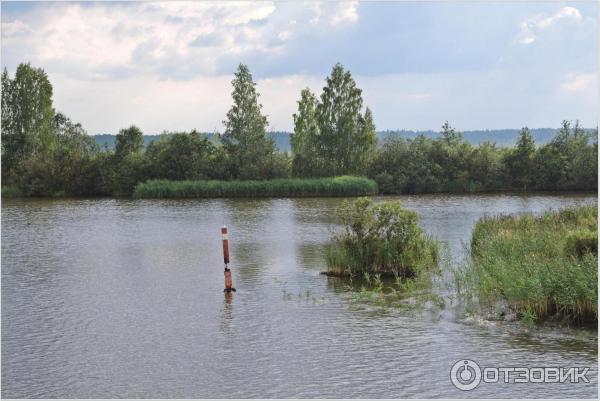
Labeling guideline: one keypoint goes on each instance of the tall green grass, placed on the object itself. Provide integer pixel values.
(11, 192)
(281, 187)
(543, 267)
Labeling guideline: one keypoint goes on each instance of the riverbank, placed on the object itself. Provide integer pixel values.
(282, 187)
(542, 268)
(15, 192)
(11, 192)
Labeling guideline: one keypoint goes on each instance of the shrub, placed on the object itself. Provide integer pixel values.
(381, 238)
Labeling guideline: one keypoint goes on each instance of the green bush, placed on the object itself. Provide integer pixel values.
(544, 266)
(382, 238)
(11, 192)
(280, 187)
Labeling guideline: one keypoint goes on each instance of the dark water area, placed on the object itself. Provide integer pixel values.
(123, 298)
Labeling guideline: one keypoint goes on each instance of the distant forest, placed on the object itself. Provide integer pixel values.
(502, 137)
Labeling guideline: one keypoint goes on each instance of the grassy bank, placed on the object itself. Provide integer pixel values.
(283, 187)
(542, 267)
(380, 238)
(11, 192)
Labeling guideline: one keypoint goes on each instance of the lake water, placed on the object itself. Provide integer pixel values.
(123, 298)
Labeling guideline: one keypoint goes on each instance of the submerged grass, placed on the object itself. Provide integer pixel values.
(410, 296)
(542, 266)
(281, 187)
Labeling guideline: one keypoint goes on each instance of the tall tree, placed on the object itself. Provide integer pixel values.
(305, 139)
(180, 156)
(568, 152)
(129, 162)
(363, 144)
(485, 167)
(450, 152)
(7, 104)
(449, 134)
(520, 161)
(27, 115)
(347, 137)
(245, 139)
(71, 157)
(129, 140)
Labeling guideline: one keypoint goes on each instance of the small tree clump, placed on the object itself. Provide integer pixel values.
(380, 238)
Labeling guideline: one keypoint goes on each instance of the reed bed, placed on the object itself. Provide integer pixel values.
(543, 266)
(281, 187)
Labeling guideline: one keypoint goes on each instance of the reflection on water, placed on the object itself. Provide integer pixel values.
(124, 298)
(227, 312)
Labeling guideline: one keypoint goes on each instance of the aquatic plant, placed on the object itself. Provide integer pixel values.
(414, 295)
(541, 266)
(380, 238)
(281, 187)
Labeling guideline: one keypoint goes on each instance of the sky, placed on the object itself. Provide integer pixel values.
(168, 66)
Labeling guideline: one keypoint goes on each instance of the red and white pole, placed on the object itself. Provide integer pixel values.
(228, 279)
(225, 245)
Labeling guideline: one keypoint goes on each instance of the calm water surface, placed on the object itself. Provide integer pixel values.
(121, 298)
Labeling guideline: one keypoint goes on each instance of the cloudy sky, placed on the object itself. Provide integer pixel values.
(168, 66)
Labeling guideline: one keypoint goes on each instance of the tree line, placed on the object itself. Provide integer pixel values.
(44, 153)
(451, 164)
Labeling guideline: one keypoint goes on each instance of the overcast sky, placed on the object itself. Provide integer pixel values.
(168, 66)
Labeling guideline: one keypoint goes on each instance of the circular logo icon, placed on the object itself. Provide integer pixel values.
(465, 374)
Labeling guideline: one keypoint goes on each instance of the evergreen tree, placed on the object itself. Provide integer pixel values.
(305, 139)
(520, 162)
(449, 153)
(250, 150)
(347, 137)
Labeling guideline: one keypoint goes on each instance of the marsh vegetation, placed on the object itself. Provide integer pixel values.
(543, 267)
(281, 187)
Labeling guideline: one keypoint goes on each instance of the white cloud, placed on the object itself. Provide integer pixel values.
(162, 61)
(531, 27)
(345, 13)
(333, 13)
(171, 39)
(564, 13)
(14, 28)
(577, 83)
(284, 35)
(169, 65)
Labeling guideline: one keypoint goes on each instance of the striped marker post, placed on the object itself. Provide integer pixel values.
(228, 279)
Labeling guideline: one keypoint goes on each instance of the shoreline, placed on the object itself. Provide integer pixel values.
(379, 195)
